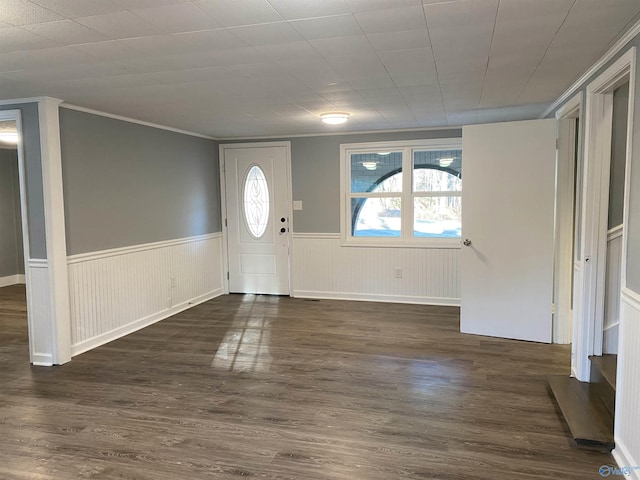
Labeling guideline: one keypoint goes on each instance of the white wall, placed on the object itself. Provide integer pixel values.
(627, 418)
(323, 268)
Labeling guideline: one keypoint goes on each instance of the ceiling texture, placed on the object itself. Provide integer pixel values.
(242, 68)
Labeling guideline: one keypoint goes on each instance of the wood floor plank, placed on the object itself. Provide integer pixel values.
(587, 417)
(287, 389)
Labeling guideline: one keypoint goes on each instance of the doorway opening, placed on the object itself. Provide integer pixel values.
(615, 219)
(569, 168)
(15, 329)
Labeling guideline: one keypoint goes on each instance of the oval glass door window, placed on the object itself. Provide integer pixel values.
(256, 201)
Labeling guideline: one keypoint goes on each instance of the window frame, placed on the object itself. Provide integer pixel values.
(406, 238)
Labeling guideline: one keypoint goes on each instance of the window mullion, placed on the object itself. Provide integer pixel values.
(437, 194)
(407, 200)
(375, 194)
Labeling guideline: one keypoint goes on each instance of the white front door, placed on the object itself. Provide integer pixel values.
(258, 210)
(508, 209)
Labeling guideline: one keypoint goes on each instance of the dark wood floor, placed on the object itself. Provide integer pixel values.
(280, 388)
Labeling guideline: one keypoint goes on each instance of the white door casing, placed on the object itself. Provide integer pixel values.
(590, 283)
(508, 198)
(258, 250)
(569, 167)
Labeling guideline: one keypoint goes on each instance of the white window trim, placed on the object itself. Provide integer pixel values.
(408, 146)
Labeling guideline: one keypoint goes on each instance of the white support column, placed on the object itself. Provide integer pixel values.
(55, 229)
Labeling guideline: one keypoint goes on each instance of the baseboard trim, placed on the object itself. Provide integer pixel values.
(625, 461)
(42, 359)
(12, 280)
(119, 332)
(365, 297)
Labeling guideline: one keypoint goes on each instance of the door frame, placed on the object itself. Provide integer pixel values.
(597, 159)
(48, 298)
(564, 238)
(223, 147)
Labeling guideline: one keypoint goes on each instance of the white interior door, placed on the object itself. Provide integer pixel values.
(508, 210)
(258, 210)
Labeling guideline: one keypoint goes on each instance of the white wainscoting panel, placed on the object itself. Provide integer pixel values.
(39, 313)
(612, 291)
(323, 268)
(627, 428)
(115, 292)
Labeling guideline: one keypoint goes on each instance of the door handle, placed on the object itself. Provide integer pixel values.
(282, 230)
(466, 242)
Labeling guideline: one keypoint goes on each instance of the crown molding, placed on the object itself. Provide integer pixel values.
(17, 101)
(612, 52)
(333, 134)
(91, 111)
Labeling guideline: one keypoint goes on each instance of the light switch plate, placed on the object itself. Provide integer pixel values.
(297, 204)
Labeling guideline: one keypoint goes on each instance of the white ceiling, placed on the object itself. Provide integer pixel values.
(232, 68)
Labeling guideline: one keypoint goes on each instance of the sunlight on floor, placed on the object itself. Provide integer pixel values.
(245, 347)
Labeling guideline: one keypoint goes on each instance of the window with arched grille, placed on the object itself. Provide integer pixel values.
(387, 205)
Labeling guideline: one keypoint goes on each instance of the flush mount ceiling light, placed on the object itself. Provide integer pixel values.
(335, 118)
(9, 137)
(384, 153)
(370, 165)
(445, 162)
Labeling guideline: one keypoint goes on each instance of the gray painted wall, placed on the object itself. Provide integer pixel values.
(633, 227)
(618, 154)
(128, 184)
(11, 254)
(33, 176)
(18, 216)
(315, 171)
